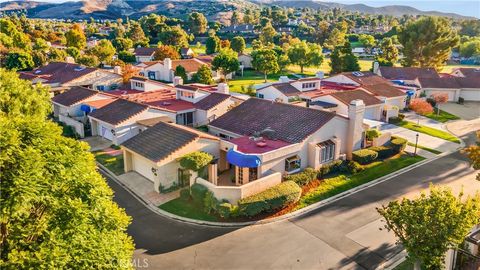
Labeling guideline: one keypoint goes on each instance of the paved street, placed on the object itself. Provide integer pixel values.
(342, 235)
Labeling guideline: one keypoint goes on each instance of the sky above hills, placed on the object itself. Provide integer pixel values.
(462, 7)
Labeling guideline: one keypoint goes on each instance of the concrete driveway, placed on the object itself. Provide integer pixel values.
(97, 143)
(468, 111)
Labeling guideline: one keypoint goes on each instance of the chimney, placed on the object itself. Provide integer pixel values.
(177, 80)
(376, 69)
(356, 110)
(223, 88)
(167, 63)
(117, 70)
(283, 79)
(319, 74)
(69, 60)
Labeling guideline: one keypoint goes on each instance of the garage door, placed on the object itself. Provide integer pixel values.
(472, 95)
(143, 167)
(451, 94)
(105, 132)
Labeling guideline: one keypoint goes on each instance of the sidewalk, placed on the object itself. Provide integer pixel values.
(413, 117)
(420, 152)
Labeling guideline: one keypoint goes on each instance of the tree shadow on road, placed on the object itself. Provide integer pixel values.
(370, 259)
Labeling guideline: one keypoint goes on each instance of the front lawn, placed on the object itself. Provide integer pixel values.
(113, 163)
(428, 130)
(187, 209)
(425, 148)
(442, 117)
(335, 185)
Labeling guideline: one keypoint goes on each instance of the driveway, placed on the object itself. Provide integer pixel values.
(97, 143)
(469, 111)
(342, 235)
(423, 139)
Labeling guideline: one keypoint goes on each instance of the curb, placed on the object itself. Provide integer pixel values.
(295, 214)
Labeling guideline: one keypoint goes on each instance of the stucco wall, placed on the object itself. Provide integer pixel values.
(270, 93)
(235, 193)
(78, 126)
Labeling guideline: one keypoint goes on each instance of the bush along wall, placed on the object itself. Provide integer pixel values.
(364, 156)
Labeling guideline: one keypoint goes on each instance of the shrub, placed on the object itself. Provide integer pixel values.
(372, 133)
(398, 144)
(303, 178)
(273, 198)
(354, 167)
(210, 203)
(394, 120)
(225, 210)
(198, 193)
(185, 194)
(401, 116)
(333, 167)
(195, 160)
(383, 151)
(364, 156)
(432, 101)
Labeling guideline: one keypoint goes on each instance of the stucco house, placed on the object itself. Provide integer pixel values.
(154, 153)
(165, 70)
(61, 76)
(144, 54)
(466, 72)
(187, 53)
(287, 90)
(467, 88)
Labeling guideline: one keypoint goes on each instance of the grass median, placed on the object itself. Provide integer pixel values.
(429, 131)
(442, 117)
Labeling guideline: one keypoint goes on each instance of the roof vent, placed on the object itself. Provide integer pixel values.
(261, 144)
(357, 74)
(38, 71)
(166, 103)
(79, 68)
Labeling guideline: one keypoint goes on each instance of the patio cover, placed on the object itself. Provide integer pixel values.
(243, 160)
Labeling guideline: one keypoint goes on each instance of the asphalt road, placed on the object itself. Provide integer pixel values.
(341, 235)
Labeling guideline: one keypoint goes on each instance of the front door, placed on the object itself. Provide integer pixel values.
(183, 177)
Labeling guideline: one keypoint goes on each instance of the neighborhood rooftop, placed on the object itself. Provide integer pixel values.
(118, 111)
(407, 73)
(73, 96)
(348, 96)
(211, 101)
(57, 72)
(290, 123)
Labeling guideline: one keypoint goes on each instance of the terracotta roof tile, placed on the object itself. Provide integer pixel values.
(290, 123)
(73, 96)
(211, 101)
(118, 111)
(384, 90)
(190, 65)
(58, 72)
(407, 73)
(143, 51)
(366, 78)
(348, 96)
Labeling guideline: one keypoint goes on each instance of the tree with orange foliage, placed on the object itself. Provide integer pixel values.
(421, 107)
(166, 51)
(440, 98)
(128, 72)
(473, 152)
(225, 43)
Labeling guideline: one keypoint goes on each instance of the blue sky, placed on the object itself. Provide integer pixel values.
(463, 7)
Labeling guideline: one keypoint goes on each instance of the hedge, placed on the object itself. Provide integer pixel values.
(335, 166)
(273, 198)
(185, 194)
(303, 178)
(398, 144)
(354, 167)
(383, 151)
(372, 133)
(364, 156)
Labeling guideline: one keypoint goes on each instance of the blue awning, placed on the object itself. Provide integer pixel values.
(85, 108)
(410, 93)
(243, 160)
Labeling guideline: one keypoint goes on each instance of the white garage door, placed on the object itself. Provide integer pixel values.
(105, 132)
(472, 95)
(370, 113)
(451, 94)
(143, 167)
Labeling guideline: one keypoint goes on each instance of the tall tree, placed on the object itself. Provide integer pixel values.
(180, 71)
(166, 51)
(336, 62)
(368, 41)
(238, 44)
(197, 23)
(430, 225)
(137, 35)
(19, 60)
(203, 75)
(174, 36)
(265, 60)
(56, 209)
(427, 42)
(212, 45)
(342, 59)
(267, 34)
(235, 20)
(470, 48)
(389, 54)
(305, 54)
(104, 50)
(76, 38)
(122, 44)
(226, 62)
(335, 38)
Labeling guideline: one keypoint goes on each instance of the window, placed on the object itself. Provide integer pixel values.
(223, 136)
(292, 163)
(308, 85)
(327, 151)
(101, 87)
(185, 119)
(260, 96)
(186, 94)
(139, 84)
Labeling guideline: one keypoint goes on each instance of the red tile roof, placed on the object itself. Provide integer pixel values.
(384, 90)
(211, 101)
(100, 103)
(73, 96)
(190, 65)
(118, 111)
(366, 78)
(142, 51)
(407, 73)
(58, 72)
(348, 96)
(247, 145)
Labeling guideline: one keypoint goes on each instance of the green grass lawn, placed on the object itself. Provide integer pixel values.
(187, 209)
(335, 185)
(442, 117)
(425, 148)
(428, 130)
(113, 163)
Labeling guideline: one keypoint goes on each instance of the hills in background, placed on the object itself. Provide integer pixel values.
(213, 9)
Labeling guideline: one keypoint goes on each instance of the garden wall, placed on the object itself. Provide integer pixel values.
(382, 139)
(235, 193)
(78, 126)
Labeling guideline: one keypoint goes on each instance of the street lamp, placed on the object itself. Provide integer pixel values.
(416, 144)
